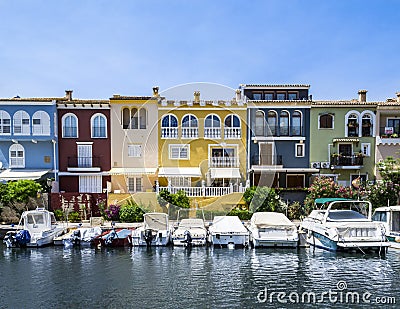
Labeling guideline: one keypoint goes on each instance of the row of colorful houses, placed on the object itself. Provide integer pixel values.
(273, 135)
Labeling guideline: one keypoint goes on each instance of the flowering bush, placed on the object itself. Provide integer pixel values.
(111, 213)
(381, 194)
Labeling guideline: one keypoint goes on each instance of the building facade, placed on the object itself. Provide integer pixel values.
(202, 145)
(278, 144)
(343, 138)
(28, 138)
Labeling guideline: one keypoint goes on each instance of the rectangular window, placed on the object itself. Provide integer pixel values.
(292, 96)
(179, 152)
(326, 121)
(299, 152)
(90, 184)
(280, 96)
(366, 149)
(257, 96)
(269, 96)
(181, 182)
(135, 151)
(36, 121)
(135, 184)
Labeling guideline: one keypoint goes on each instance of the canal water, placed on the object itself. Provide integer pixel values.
(54, 277)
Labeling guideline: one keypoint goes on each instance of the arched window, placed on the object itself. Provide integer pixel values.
(142, 118)
(352, 125)
(5, 123)
(21, 121)
(134, 118)
(169, 127)
(212, 127)
(40, 123)
(70, 125)
(367, 125)
(17, 156)
(296, 123)
(99, 126)
(190, 127)
(272, 123)
(284, 123)
(232, 127)
(260, 123)
(326, 121)
(125, 118)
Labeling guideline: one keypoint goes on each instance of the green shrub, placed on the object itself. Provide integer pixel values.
(59, 214)
(74, 216)
(242, 214)
(295, 211)
(131, 212)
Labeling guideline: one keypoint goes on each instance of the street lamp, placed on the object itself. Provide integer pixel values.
(49, 183)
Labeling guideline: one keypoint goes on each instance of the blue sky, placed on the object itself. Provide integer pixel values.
(100, 48)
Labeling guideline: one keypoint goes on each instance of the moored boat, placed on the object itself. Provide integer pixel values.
(344, 225)
(114, 238)
(155, 231)
(272, 229)
(190, 232)
(390, 217)
(82, 237)
(228, 231)
(36, 228)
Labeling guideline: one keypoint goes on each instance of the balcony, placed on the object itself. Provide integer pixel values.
(223, 162)
(232, 133)
(279, 131)
(83, 164)
(266, 160)
(169, 132)
(190, 133)
(354, 161)
(212, 133)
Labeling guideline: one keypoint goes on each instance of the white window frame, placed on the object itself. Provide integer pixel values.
(169, 132)
(43, 128)
(180, 148)
(16, 161)
(63, 119)
(133, 183)
(90, 184)
(134, 151)
(189, 131)
(18, 122)
(181, 181)
(212, 131)
(4, 115)
(93, 128)
(366, 149)
(296, 153)
(333, 121)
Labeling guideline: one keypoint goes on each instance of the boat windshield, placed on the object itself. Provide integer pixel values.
(35, 219)
(343, 215)
(379, 216)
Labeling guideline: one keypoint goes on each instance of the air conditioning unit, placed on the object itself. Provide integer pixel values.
(315, 164)
(325, 165)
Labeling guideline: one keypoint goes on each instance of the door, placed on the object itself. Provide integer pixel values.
(85, 155)
(267, 154)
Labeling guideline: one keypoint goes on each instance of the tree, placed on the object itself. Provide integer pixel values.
(131, 212)
(20, 192)
(390, 170)
(263, 199)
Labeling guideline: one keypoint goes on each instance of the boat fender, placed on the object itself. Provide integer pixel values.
(397, 239)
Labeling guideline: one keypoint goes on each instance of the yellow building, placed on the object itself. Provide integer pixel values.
(202, 145)
(134, 143)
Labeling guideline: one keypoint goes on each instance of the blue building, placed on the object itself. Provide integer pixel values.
(28, 138)
(278, 138)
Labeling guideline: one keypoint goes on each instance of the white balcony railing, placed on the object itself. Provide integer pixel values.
(232, 133)
(223, 162)
(190, 132)
(212, 133)
(169, 132)
(204, 191)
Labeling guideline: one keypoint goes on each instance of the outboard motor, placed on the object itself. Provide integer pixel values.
(22, 238)
(111, 236)
(187, 238)
(76, 238)
(148, 236)
(9, 239)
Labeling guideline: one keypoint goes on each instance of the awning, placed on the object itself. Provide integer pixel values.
(279, 169)
(344, 140)
(179, 172)
(10, 174)
(227, 173)
(133, 171)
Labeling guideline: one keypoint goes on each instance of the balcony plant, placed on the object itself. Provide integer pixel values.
(394, 135)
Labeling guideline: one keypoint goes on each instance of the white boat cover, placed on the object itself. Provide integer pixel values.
(156, 221)
(228, 224)
(187, 223)
(271, 219)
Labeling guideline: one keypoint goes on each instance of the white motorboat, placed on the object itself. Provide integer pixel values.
(154, 232)
(344, 225)
(228, 231)
(36, 228)
(83, 237)
(190, 232)
(390, 217)
(272, 229)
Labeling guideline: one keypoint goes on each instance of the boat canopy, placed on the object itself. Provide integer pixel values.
(271, 219)
(156, 221)
(228, 224)
(324, 200)
(191, 223)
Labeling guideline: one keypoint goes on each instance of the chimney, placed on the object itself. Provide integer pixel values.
(155, 91)
(196, 97)
(398, 97)
(68, 95)
(238, 95)
(362, 95)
